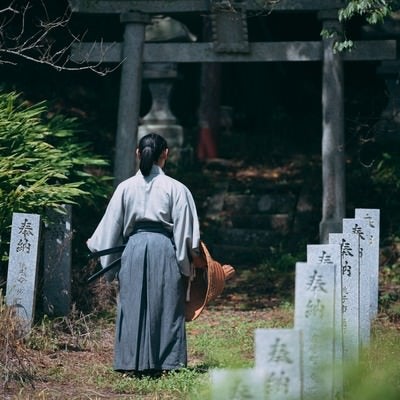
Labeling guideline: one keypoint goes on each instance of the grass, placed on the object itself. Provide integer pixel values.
(378, 374)
(71, 357)
(220, 338)
(14, 357)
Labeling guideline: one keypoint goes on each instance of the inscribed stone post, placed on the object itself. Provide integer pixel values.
(361, 227)
(329, 254)
(278, 353)
(22, 266)
(57, 263)
(350, 283)
(373, 218)
(314, 316)
(237, 384)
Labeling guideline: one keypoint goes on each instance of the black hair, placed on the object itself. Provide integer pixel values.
(150, 148)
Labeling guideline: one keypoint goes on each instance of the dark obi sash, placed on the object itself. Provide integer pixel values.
(151, 226)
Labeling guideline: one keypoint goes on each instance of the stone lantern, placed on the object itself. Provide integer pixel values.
(160, 78)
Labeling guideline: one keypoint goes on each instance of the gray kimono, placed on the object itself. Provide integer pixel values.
(156, 197)
(150, 328)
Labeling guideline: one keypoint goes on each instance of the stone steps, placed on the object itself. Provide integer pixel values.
(246, 215)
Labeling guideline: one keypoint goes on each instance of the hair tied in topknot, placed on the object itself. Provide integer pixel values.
(150, 148)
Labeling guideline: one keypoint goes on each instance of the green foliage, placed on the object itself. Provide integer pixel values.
(374, 11)
(387, 172)
(343, 45)
(42, 163)
(389, 280)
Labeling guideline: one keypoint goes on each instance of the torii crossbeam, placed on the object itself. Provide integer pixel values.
(134, 51)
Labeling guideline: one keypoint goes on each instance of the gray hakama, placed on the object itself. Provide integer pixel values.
(150, 331)
(150, 327)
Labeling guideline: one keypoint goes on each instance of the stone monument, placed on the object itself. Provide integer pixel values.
(23, 266)
(57, 262)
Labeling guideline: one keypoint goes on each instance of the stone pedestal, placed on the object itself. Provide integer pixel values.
(160, 78)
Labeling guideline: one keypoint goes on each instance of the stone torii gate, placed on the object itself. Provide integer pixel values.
(230, 44)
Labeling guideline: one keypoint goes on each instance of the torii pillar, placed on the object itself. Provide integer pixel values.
(333, 152)
(135, 52)
(130, 95)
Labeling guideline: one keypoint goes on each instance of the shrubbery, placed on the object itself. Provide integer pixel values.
(42, 163)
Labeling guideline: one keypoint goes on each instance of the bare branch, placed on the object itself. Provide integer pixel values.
(9, 8)
(29, 32)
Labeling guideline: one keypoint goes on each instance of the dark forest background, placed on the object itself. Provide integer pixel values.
(276, 111)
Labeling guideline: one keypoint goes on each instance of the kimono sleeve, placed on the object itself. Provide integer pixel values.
(186, 229)
(109, 232)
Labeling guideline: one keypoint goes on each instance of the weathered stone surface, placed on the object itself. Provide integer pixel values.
(373, 218)
(247, 237)
(57, 263)
(350, 297)
(178, 6)
(23, 266)
(263, 203)
(129, 96)
(278, 353)
(315, 317)
(259, 52)
(330, 254)
(278, 223)
(361, 227)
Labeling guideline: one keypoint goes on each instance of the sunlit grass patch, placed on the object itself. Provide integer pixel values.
(227, 339)
(73, 357)
(182, 384)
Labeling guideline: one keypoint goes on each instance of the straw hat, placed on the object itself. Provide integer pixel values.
(207, 285)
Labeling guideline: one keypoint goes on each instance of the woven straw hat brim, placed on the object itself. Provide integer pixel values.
(207, 285)
(198, 294)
